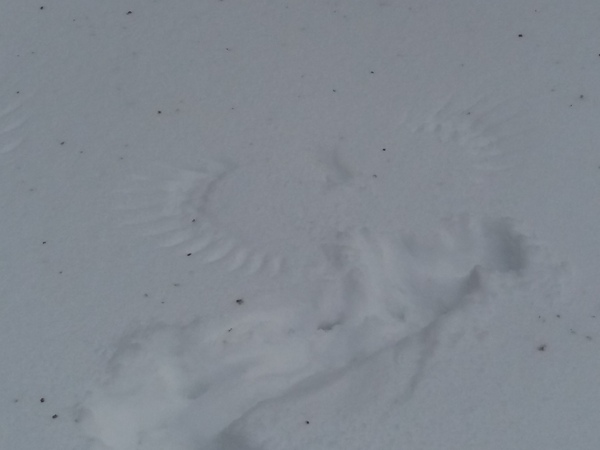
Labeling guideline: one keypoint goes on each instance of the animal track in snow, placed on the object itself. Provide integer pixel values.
(271, 211)
(189, 386)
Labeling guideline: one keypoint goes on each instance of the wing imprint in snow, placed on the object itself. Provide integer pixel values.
(174, 206)
(12, 121)
(487, 130)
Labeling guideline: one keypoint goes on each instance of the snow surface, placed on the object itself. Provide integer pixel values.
(311, 225)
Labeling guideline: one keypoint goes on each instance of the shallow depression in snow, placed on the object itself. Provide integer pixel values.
(188, 386)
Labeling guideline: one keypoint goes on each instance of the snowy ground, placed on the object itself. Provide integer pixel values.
(313, 225)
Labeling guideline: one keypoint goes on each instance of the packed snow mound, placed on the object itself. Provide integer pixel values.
(381, 309)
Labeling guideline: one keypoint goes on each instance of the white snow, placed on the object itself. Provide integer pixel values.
(307, 225)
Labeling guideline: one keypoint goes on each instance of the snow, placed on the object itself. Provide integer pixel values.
(303, 225)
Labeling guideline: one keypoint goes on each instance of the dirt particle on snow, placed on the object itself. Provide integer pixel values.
(542, 348)
(240, 301)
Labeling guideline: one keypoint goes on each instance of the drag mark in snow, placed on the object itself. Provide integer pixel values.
(382, 306)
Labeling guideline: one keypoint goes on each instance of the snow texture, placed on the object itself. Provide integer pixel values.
(381, 310)
(312, 225)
